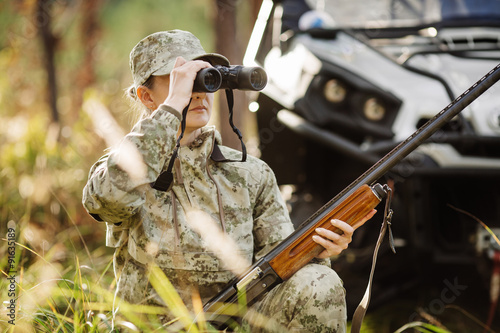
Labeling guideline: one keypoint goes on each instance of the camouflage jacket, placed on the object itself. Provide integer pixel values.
(241, 198)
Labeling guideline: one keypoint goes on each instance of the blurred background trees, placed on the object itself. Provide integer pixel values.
(64, 72)
(57, 54)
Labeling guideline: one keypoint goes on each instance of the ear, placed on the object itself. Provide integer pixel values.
(144, 95)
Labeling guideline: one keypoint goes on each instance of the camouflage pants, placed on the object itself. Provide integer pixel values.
(312, 300)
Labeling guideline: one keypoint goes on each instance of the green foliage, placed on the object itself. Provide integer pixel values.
(69, 296)
(64, 279)
(127, 22)
(43, 166)
(54, 294)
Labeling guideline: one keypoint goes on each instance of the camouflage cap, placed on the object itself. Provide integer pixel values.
(156, 54)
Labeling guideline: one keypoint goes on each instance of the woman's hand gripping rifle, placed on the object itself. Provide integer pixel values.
(292, 254)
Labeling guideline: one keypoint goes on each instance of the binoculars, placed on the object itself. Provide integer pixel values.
(232, 77)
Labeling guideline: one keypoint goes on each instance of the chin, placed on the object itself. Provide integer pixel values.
(197, 120)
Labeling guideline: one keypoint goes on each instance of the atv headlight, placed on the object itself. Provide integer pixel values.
(349, 105)
(334, 91)
(373, 110)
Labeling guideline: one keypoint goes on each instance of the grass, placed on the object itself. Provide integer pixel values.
(68, 286)
(77, 294)
(73, 296)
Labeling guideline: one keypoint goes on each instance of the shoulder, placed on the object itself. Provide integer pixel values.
(253, 166)
(231, 153)
(236, 155)
(253, 169)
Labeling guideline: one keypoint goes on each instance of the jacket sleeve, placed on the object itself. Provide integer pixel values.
(272, 222)
(113, 193)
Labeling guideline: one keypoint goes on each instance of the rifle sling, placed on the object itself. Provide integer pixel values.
(360, 312)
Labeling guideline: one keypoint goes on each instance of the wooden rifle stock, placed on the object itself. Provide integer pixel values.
(350, 205)
(303, 249)
(291, 255)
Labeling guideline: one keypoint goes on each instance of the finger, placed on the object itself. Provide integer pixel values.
(188, 68)
(330, 235)
(331, 248)
(195, 65)
(179, 61)
(203, 63)
(324, 255)
(364, 219)
(369, 215)
(333, 239)
(343, 226)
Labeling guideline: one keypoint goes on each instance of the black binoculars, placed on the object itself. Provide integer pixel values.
(232, 77)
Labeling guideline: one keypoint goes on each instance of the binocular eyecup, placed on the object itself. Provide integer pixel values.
(232, 77)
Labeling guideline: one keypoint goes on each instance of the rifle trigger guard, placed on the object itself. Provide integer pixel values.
(388, 212)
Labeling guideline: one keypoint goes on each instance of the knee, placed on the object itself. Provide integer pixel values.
(312, 300)
(320, 287)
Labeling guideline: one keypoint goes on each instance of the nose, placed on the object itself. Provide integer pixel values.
(199, 95)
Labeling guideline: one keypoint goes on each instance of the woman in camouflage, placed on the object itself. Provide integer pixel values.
(174, 227)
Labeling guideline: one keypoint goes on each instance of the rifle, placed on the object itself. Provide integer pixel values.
(350, 205)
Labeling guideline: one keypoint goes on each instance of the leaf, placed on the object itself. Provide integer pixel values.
(167, 292)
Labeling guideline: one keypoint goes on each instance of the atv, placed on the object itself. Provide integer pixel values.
(347, 82)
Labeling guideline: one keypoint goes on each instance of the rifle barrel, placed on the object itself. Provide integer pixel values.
(262, 276)
(391, 159)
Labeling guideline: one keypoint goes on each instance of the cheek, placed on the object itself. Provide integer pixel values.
(210, 101)
(161, 96)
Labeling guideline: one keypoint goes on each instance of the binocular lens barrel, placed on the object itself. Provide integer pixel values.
(207, 80)
(251, 78)
(233, 77)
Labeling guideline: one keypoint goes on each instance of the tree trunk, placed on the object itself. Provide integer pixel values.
(254, 9)
(90, 31)
(43, 20)
(227, 43)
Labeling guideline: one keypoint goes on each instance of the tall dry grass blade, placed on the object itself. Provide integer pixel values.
(470, 316)
(107, 127)
(169, 295)
(477, 220)
(61, 204)
(422, 327)
(223, 246)
(200, 314)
